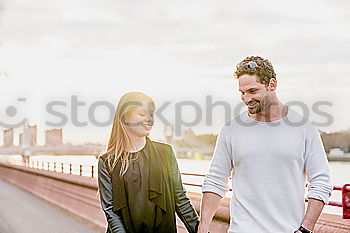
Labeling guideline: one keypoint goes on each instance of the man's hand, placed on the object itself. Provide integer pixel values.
(209, 204)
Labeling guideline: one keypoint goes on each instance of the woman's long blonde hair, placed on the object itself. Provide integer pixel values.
(119, 140)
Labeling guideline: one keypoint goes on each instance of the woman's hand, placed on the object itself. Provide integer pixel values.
(203, 228)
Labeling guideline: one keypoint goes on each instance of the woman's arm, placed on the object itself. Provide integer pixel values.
(183, 206)
(115, 222)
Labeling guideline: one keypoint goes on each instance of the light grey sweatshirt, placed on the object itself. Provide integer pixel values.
(269, 162)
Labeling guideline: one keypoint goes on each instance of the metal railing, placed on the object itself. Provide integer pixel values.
(67, 168)
(90, 171)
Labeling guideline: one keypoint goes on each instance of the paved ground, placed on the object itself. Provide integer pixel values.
(21, 212)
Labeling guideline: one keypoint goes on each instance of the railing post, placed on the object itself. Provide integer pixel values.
(70, 169)
(42, 165)
(62, 167)
(80, 170)
(92, 171)
(37, 164)
(346, 201)
(54, 166)
(48, 166)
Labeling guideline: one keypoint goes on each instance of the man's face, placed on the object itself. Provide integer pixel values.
(254, 94)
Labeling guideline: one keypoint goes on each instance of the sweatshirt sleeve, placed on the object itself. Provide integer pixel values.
(115, 222)
(216, 180)
(316, 167)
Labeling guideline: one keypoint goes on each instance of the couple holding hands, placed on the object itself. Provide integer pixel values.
(269, 149)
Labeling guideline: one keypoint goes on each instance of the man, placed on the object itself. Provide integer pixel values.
(270, 147)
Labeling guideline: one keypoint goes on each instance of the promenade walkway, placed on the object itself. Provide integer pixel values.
(21, 212)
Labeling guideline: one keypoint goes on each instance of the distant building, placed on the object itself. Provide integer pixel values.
(30, 133)
(8, 138)
(20, 139)
(53, 137)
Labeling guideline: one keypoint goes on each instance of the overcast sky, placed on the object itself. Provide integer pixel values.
(172, 50)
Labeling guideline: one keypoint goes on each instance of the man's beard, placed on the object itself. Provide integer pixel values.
(256, 109)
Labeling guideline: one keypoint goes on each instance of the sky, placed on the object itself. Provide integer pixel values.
(173, 51)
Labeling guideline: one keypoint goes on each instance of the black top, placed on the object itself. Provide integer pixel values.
(147, 196)
(142, 210)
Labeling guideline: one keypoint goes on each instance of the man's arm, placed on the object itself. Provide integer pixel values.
(313, 212)
(209, 205)
(318, 174)
(215, 184)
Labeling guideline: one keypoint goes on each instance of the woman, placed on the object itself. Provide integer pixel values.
(139, 181)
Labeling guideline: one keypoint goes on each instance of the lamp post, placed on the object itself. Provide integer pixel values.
(25, 147)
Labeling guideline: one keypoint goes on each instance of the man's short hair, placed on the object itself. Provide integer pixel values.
(255, 65)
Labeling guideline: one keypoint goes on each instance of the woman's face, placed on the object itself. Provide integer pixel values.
(140, 121)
